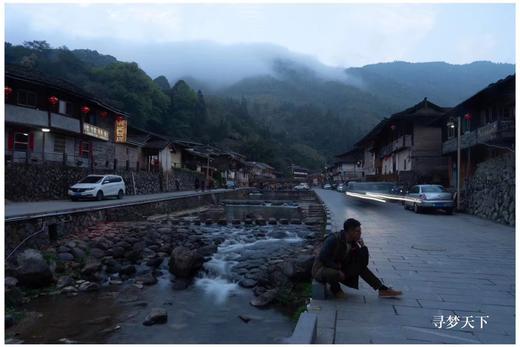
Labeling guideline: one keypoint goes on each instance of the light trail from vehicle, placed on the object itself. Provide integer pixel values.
(393, 197)
(363, 196)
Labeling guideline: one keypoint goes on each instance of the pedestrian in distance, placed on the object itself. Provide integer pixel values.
(343, 258)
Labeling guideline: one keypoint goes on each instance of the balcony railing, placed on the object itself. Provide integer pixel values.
(487, 133)
(37, 157)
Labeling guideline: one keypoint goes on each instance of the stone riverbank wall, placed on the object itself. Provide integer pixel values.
(28, 182)
(490, 193)
(53, 228)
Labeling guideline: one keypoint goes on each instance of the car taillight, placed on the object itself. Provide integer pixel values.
(423, 197)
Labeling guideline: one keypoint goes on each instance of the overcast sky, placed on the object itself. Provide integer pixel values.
(338, 34)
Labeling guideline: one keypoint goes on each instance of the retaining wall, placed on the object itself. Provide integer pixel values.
(58, 226)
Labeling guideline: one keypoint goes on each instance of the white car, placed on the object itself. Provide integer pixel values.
(98, 187)
(302, 186)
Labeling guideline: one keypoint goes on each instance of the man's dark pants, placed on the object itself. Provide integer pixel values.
(356, 266)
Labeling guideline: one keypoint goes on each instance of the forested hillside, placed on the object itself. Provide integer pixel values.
(292, 115)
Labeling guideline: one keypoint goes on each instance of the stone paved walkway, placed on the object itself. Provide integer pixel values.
(456, 265)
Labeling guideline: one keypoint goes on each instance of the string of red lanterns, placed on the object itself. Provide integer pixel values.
(8, 91)
(85, 109)
(53, 100)
(467, 116)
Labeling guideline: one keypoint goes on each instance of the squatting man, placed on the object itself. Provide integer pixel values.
(343, 258)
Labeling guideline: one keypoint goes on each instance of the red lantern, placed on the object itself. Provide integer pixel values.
(8, 91)
(103, 114)
(120, 118)
(85, 109)
(392, 127)
(467, 116)
(53, 100)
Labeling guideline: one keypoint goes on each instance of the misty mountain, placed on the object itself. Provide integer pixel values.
(404, 83)
(271, 104)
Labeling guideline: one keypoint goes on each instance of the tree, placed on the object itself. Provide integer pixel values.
(37, 45)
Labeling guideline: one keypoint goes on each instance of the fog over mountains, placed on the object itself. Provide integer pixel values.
(236, 70)
(263, 100)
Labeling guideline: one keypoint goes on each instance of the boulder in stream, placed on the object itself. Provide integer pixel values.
(156, 316)
(184, 262)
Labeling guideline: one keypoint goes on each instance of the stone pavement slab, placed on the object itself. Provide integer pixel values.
(446, 266)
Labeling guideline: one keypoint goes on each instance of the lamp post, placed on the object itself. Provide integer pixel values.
(451, 124)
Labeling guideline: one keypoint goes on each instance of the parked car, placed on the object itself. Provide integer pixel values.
(327, 186)
(429, 196)
(230, 184)
(98, 187)
(302, 186)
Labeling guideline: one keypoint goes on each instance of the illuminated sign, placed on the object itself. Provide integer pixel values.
(94, 131)
(121, 125)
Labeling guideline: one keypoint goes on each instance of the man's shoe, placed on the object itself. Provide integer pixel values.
(340, 295)
(389, 293)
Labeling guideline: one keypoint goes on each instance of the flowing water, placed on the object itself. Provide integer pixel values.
(208, 311)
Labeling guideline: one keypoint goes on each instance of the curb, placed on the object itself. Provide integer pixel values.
(305, 331)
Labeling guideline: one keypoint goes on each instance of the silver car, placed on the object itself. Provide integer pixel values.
(429, 196)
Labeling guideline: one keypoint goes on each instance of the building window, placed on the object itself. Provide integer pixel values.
(59, 144)
(21, 142)
(66, 108)
(85, 148)
(26, 98)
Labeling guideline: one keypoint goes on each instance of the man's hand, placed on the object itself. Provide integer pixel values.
(361, 243)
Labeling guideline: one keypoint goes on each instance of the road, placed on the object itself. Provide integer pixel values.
(15, 210)
(457, 265)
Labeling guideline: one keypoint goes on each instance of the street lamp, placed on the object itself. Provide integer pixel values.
(451, 124)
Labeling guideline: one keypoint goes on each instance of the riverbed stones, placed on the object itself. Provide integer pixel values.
(78, 253)
(65, 256)
(88, 286)
(33, 271)
(284, 221)
(117, 252)
(207, 250)
(128, 270)
(264, 299)
(272, 221)
(184, 262)
(147, 279)
(97, 253)
(247, 283)
(260, 221)
(156, 316)
(154, 262)
(69, 290)
(64, 281)
(91, 268)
